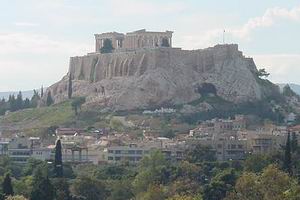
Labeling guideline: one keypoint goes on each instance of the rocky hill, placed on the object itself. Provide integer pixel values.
(161, 76)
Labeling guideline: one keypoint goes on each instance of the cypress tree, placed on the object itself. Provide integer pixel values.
(42, 91)
(294, 142)
(288, 156)
(49, 99)
(7, 186)
(70, 86)
(58, 165)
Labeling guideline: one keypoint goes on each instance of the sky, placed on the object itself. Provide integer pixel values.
(37, 37)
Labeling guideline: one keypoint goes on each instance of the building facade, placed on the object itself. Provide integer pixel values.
(134, 40)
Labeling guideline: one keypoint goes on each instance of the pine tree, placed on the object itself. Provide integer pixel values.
(49, 101)
(58, 165)
(12, 103)
(7, 186)
(26, 103)
(70, 86)
(288, 156)
(19, 101)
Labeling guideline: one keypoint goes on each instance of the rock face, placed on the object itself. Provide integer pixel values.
(153, 77)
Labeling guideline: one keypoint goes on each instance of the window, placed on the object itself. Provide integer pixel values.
(138, 158)
(139, 152)
(118, 152)
(117, 158)
(110, 151)
(110, 158)
(131, 151)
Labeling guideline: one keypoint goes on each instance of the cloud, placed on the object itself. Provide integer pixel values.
(199, 37)
(269, 18)
(26, 24)
(29, 60)
(24, 74)
(138, 7)
(283, 67)
(19, 42)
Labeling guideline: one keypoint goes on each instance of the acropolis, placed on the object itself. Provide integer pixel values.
(135, 40)
(142, 69)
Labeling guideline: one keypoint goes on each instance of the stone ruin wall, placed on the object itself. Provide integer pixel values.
(224, 66)
(96, 67)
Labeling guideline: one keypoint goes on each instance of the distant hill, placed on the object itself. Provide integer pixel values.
(293, 86)
(26, 94)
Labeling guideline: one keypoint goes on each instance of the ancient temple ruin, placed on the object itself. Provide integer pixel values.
(135, 40)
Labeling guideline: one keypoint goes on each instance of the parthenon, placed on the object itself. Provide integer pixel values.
(135, 40)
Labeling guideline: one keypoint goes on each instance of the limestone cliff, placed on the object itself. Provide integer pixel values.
(147, 77)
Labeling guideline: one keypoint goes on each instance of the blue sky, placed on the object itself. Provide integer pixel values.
(37, 37)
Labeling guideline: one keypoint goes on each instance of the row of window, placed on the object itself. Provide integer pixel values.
(118, 158)
(231, 146)
(138, 152)
(26, 153)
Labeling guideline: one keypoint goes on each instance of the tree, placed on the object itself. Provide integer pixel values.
(165, 42)
(19, 101)
(35, 99)
(287, 164)
(7, 186)
(220, 185)
(200, 153)
(256, 162)
(121, 190)
(12, 103)
(154, 192)
(70, 86)
(31, 165)
(107, 46)
(76, 103)
(272, 183)
(43, 189)
(185, 197)
(58, 164)
(18, 197)
(42, 91)
(151, 171)
(246, 188)
(294, 143)
(26, 103)
(23, 186)
(61, 187)
(262, 73)
(49, 101)
(90, 188)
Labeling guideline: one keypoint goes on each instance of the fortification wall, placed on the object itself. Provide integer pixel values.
(136, 79)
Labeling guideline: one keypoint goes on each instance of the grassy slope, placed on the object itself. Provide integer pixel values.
(40, 117)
